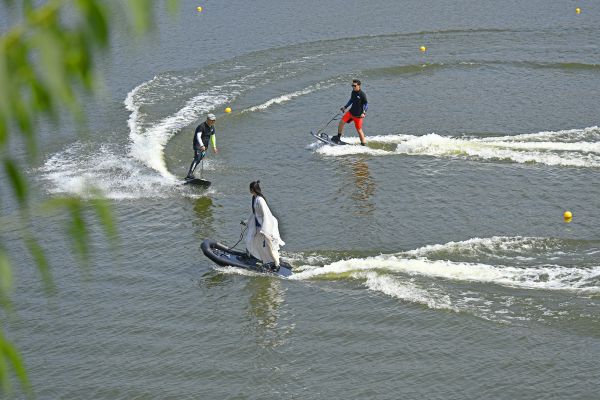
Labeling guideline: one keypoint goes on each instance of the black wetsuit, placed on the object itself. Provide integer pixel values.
(206, 132)
(359, 103)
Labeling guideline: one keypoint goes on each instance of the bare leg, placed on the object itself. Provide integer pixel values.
(361, 134)
(341, 127)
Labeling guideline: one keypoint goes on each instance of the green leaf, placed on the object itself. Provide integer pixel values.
(95, 21)
(3, 132)
(5, 82)
(26, 125)
(78, 230)
(8, 353)
(4, 377)
(18, 182)
(76, 227)
(43, 61)
(104, 214)
(40, 97)
(6, 280)
(79, 60)
(141, 13)
(52, 56)
(38, 254)
(27, 6)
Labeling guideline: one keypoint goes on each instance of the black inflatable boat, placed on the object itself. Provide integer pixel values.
(224, 256)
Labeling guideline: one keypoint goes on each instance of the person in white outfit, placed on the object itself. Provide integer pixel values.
(262, 237)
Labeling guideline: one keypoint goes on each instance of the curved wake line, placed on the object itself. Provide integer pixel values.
(117, 176)
(434, 67)
(590, 134)
(425, 276)
(495, 246)
(120, 174)
(397, 35)
(550, 277)
(287, 97)
(148, 146)
(544, 276)
(406, 290)
(138, 169)
(571, 148)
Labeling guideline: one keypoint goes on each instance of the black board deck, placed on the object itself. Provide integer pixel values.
(196, 182)
(323, 137)
(224, 256)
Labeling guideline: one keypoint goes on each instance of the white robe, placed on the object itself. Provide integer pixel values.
(263, 242)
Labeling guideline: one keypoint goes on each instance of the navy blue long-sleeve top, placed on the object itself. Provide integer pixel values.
(358, 100)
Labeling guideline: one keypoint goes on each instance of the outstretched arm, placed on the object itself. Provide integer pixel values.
(348, 104)
(213, 142)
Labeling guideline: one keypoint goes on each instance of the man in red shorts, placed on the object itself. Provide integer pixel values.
(358, 109)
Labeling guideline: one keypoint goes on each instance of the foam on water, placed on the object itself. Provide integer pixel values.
(498, 247)
(82, 169)
(549, 277)
(569, 148)
(436, 276)
(148, 145)
(310, 258)
(237, 271)
(407, 290)
(335, 151)
(139, 170)
(591, 134)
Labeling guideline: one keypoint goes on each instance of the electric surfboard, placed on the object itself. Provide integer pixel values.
(323, 137)
(196, 182)
(225, 256)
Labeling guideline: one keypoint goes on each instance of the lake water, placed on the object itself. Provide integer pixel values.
(433, 263)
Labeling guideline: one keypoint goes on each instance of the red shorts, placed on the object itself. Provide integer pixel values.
(357, 120)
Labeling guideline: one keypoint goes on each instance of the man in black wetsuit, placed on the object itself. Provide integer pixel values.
(205, 132)
(357, 112)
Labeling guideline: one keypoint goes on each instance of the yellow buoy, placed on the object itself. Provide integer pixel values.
(199, 9)
(568, 215)
(423, 48)
(228, 110)
(578, 10)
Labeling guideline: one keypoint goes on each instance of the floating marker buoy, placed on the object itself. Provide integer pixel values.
(568, 215)
(228, 110)
(423, 48)
(578, 10)
(199, 9)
